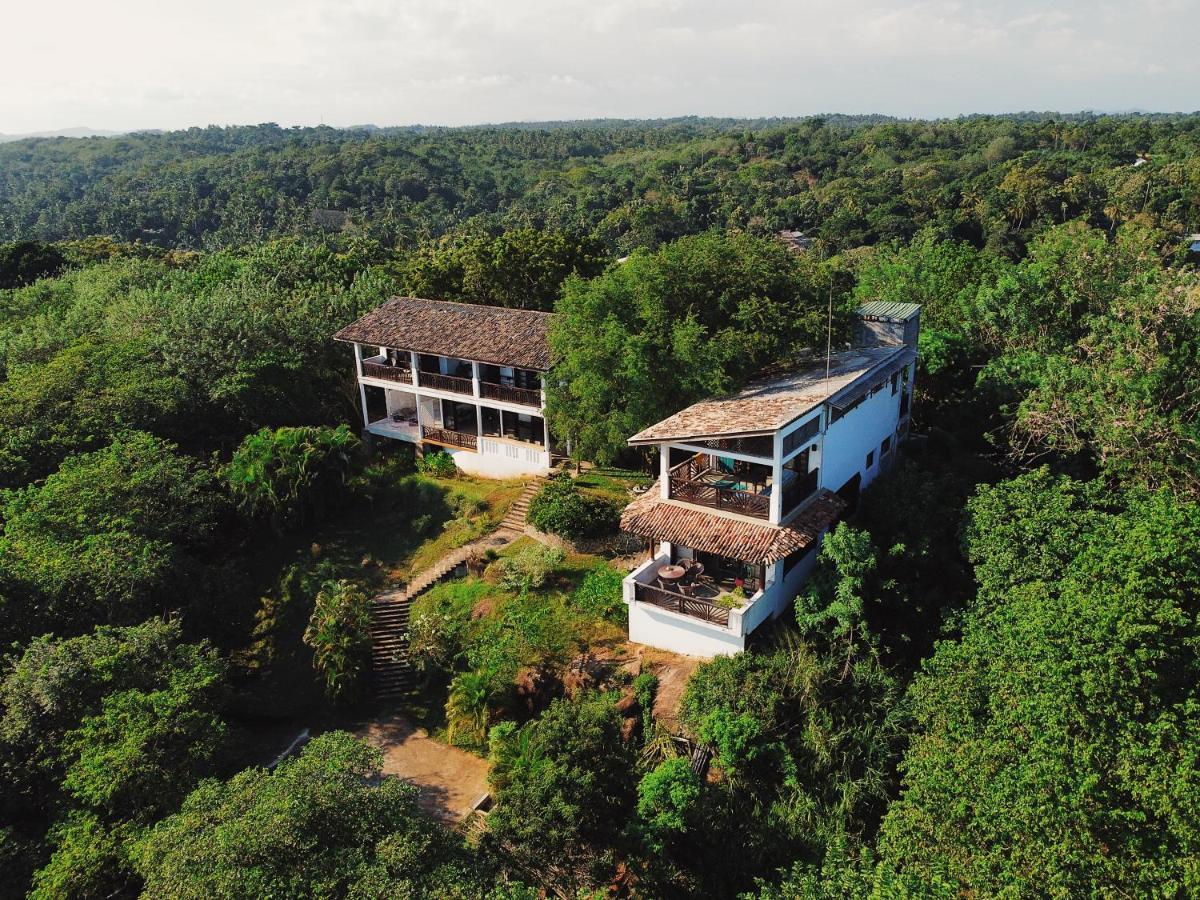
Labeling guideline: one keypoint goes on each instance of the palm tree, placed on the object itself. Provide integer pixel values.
(467, 709)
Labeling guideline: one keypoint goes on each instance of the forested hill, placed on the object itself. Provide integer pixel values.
(990, 683)
(848, 180)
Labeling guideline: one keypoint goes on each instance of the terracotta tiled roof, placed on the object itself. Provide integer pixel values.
(766, 406)
(652, 517)
(490, 334)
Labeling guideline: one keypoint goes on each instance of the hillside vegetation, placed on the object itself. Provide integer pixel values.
(990, 684)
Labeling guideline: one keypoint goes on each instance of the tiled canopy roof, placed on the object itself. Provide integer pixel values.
(766, 406)
(490, 334)
(652, 517)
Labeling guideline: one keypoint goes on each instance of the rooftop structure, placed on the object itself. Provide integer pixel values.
(763, 407)
(489, 334)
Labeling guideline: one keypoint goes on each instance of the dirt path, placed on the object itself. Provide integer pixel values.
(673, 672)
(450, 780)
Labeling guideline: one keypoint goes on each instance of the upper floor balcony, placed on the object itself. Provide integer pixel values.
(720, 483)
(521, 387)
(741, 487)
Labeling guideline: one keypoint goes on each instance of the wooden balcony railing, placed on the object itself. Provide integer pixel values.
(390, 373)
(510, 394)
(687, 483)
(453, 438)
(689, 606)
(446, 382)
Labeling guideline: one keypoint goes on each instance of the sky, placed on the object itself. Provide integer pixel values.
(131, 64)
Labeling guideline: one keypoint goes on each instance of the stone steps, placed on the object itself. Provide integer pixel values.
(391, 611)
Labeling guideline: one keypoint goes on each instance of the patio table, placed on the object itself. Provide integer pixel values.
(671, 574)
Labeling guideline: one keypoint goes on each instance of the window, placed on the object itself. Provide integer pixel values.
(895, 383)
(886, 447)
(870, 459)
(801, 435)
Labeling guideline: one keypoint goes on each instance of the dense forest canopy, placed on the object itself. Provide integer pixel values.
(849, 181)
(989, 685)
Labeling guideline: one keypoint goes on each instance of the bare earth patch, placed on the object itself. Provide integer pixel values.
(450, 780)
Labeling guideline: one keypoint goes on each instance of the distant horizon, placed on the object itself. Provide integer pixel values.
(84, 131)
(167, 64)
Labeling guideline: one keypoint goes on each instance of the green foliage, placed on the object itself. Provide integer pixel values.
(104, 733)
(521, 267)
(81, 399)
(560, 507)
(468, 707)
(599, 594)
(841, 876)
(1066, 712)
(339, 634)
(291, 476)
(143, 750)
(806, 747)
(24, 262)
(109, 537)
(437, 464)
(529, 567)
(667, 796)
(564, 787)
(665, 329)
(832, 602)
(337, 828)
(1028, 529)
(89, 860)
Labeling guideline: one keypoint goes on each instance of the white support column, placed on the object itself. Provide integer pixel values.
(362, 393)
(358, 359)
(474, 379)
(776, 509)
(545, 435)
(415, 363)
(664, 470)
(479, 420)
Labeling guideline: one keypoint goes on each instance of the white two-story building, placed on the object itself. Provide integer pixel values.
(749, 484)
(460, 377)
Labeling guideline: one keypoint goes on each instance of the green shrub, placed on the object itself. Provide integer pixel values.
(339, 635)
(599, 594)
(529, 567)
(437, 464)
(560, 507)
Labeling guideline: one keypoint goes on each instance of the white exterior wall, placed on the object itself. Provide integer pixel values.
(661, 628)
(502, 459)
(495, 458)
(848, 440)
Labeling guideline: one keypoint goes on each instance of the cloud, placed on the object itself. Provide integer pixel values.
(170, 63)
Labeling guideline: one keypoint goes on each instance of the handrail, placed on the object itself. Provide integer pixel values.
(453, 438)
(441, 382)
(696, 607)
(389, 373)
(510, 393)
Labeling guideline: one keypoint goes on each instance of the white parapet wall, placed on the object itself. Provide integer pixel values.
(502, 459)
(657, 627)
(678, 633)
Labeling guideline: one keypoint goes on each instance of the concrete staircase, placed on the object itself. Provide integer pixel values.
(393, 674)
(515, 518)
(390, 611)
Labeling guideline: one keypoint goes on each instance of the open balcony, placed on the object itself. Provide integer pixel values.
(722, 483)
(388, 369)
(706, 591)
